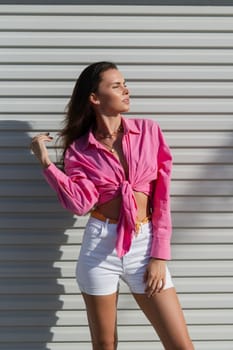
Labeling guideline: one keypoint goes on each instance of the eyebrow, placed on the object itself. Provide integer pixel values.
(118, 82)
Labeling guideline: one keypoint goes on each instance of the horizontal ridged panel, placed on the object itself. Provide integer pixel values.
(135, 56)
(177, 61)
(116, 10)
(140, 72)
(205, 204)
(47, 39)
(111, 23)
(202, 188)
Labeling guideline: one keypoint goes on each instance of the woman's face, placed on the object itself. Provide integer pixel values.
(112, 96)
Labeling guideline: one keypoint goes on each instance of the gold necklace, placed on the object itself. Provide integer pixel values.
(102, 136)
(110, 148)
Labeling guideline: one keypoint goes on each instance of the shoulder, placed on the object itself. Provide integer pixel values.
(79, 144)
(75, 150)
(141, 121)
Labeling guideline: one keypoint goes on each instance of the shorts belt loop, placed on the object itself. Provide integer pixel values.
(139, 224)
(106, 222)
(137, 227)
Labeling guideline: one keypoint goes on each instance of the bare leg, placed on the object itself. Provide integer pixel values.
(101, 314)
(165, 314)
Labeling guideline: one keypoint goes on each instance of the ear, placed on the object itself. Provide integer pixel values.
(94, 99)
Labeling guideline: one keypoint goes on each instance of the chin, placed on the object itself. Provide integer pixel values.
(126, 109)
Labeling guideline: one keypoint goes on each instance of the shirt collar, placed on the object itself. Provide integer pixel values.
(129, 126)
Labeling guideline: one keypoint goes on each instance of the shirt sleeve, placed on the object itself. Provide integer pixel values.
(161, 214)
(75, 191)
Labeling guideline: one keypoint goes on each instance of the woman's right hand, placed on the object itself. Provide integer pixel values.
(39, 149)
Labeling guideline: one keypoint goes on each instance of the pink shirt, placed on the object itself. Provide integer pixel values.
(93, 175)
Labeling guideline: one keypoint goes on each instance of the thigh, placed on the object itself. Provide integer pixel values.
(165, 314)
(98, 268)
(136, 261)
(102, 315)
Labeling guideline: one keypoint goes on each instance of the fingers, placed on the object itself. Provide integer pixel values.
(38, 140)
(42, 137)
(155, 277)
(39, 149)
(154, 286)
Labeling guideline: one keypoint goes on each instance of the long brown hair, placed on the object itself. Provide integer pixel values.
(80, 116)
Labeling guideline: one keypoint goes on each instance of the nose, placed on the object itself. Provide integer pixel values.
(126, 90)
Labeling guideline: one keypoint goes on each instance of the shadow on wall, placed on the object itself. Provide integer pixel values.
(32, 231)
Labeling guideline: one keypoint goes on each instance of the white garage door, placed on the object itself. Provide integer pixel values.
(178, 62)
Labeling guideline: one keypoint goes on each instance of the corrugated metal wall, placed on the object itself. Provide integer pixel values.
(179, 65)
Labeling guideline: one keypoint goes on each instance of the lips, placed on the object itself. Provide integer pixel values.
(126, 100)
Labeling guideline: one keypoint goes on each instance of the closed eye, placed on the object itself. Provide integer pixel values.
(117, 85)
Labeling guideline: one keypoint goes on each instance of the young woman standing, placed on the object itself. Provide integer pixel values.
(118, 169)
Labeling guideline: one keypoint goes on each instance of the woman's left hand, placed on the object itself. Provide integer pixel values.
(155, 276)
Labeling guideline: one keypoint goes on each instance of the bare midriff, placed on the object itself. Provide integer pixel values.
(112, 208)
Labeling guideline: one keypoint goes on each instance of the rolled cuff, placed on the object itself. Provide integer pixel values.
(161, 249)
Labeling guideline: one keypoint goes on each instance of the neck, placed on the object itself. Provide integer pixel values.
(108, 126)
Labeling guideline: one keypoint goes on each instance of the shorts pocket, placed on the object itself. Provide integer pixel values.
(93, 234)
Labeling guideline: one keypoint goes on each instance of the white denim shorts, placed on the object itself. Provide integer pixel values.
(99, 269)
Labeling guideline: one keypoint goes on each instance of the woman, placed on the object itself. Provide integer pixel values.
(117, 169)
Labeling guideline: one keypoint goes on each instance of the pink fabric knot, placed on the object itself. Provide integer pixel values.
(127, 219)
